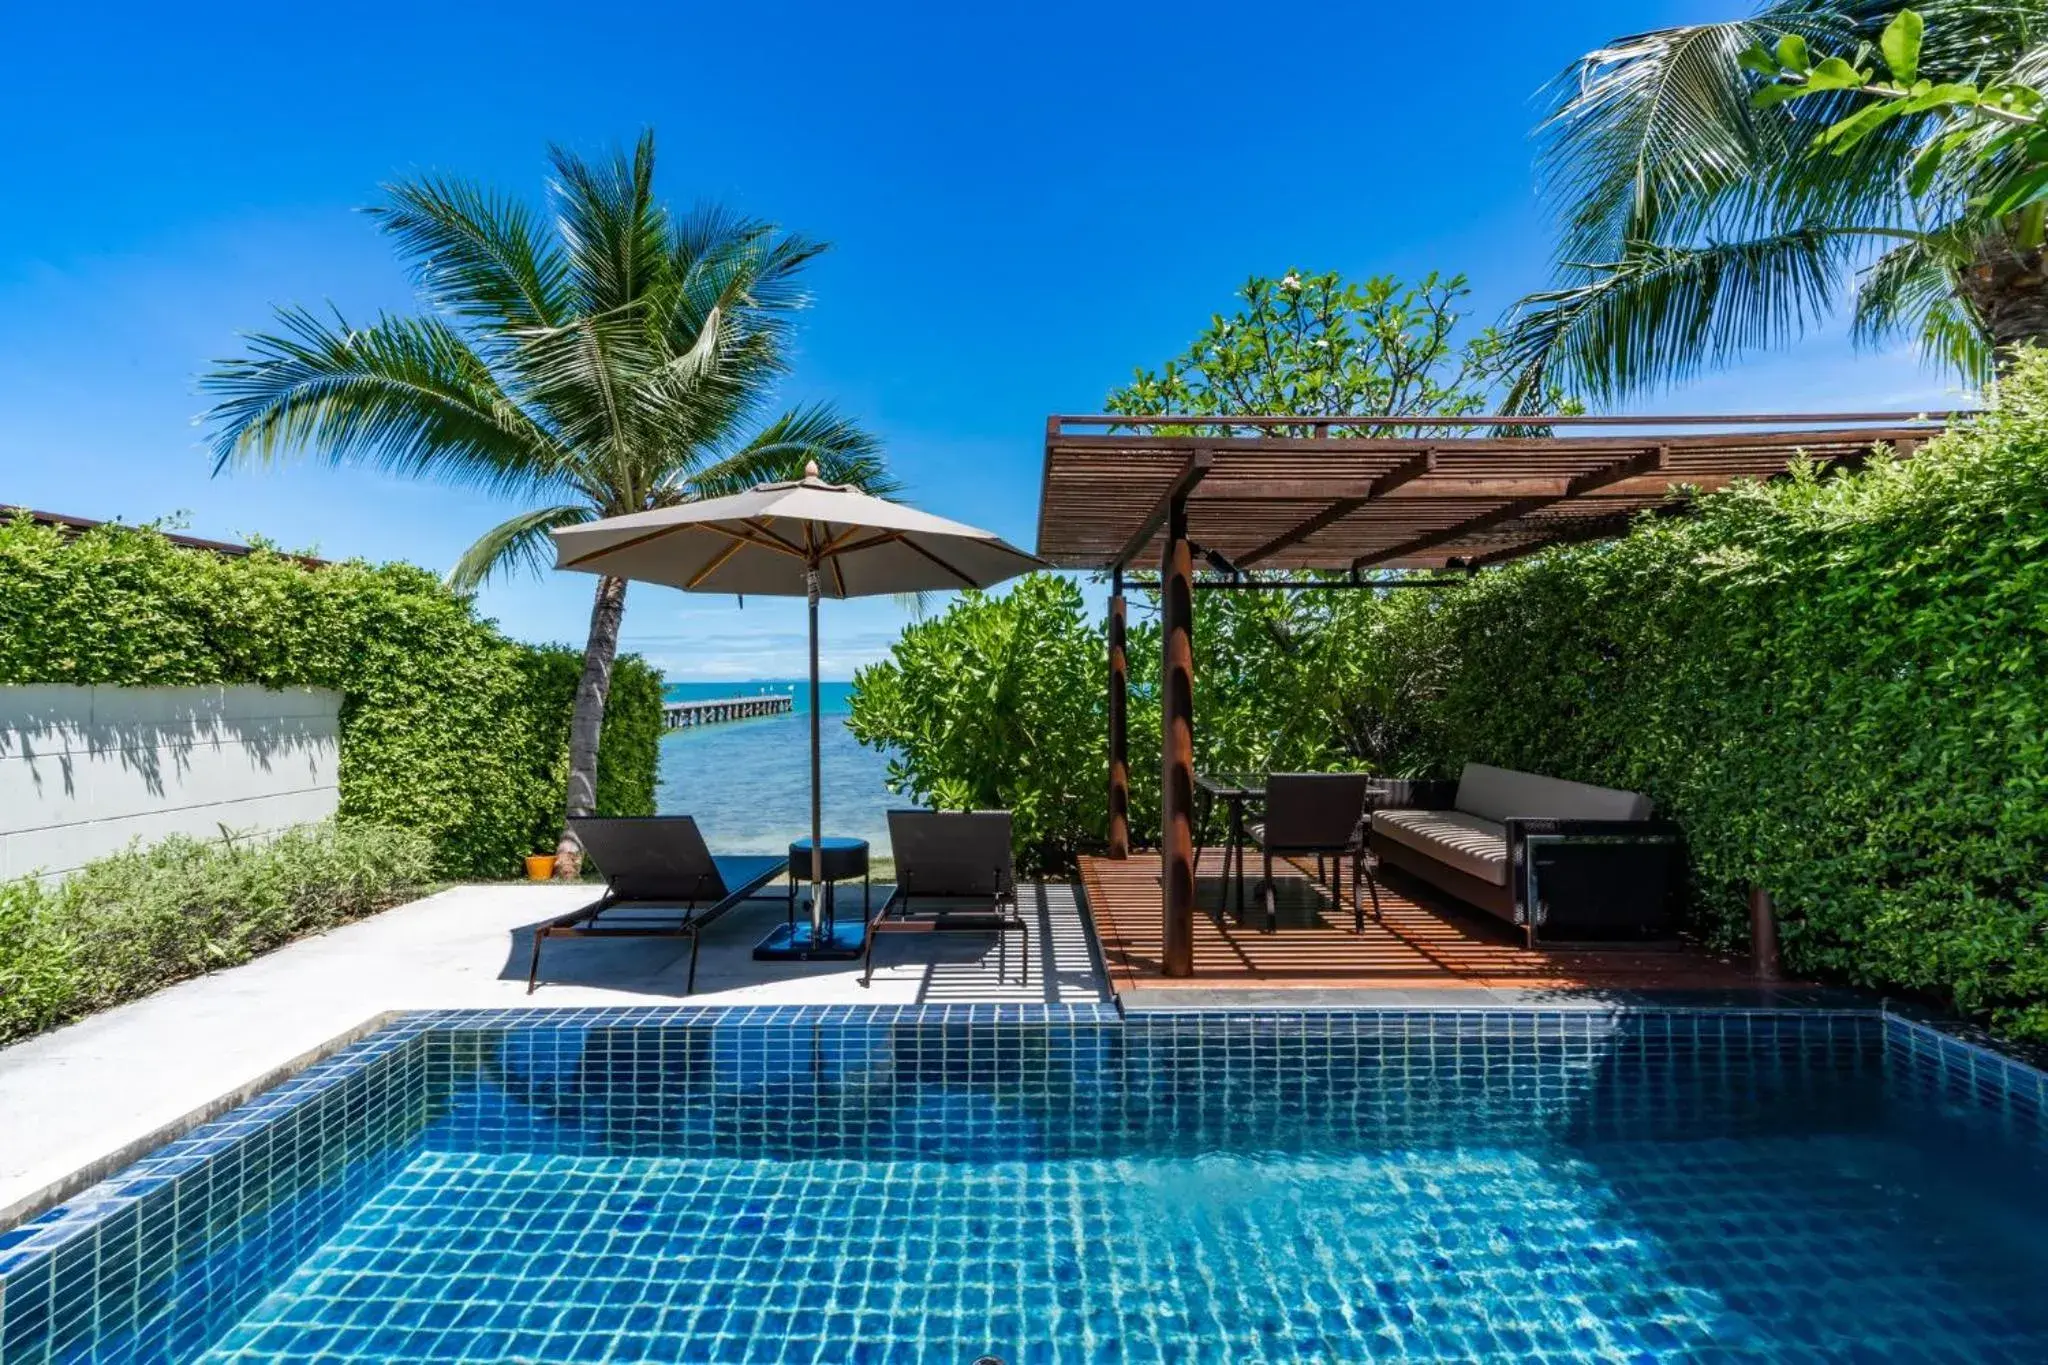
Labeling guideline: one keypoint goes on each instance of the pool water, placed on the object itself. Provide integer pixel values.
(1354, 1188)
(1786, 1250)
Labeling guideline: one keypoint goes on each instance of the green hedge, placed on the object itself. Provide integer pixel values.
(125, 925)
(1837, 686)
(448, 727)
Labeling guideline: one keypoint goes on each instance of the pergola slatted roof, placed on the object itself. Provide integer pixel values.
(1263, 492)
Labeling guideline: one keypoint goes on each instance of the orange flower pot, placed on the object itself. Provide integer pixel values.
(540, 867)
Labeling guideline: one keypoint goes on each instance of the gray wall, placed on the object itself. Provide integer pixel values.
(86, 770)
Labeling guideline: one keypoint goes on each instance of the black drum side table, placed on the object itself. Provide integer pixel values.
(841, 860)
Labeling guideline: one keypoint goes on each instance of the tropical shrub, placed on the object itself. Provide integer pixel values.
(1307, 682)
(1000, 703)
(125, 925)
(1003, 701)
(1316, 344)
(447, 727)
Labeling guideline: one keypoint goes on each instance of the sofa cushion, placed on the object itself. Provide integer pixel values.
(1499, 793)
(1470, 843)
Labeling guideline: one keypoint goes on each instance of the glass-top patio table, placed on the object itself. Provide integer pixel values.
(1236, 790)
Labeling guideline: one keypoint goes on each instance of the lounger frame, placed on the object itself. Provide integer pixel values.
(724, 883)
(954, 881)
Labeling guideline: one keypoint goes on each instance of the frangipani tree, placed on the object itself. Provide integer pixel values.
(603, 357)
(1282, 678)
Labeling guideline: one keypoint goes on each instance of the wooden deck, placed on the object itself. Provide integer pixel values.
(1426, 940)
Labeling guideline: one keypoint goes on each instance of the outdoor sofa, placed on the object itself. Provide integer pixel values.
(1562, 861)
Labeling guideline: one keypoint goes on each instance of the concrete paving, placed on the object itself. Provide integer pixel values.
(80, 1102)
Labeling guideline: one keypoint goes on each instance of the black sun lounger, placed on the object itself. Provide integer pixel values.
(655, 863)
(951, 857)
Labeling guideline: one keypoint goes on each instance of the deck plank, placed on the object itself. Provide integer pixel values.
(1424, 940)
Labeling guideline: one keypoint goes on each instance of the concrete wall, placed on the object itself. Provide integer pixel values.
(86, 770)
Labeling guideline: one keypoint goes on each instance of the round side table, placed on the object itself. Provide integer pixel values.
(841, 860)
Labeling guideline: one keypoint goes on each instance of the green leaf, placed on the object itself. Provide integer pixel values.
(1792, 53)
(1769, 95)
(1927, 97)
(1760, 60)
(1835, 74)
(1927, 164)
(1840, 137)
(2028, 188)
(1901, 46)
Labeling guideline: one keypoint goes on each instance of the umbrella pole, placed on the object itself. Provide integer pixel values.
(817, 810)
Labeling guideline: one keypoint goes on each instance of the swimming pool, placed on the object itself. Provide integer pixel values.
(1063, 1184)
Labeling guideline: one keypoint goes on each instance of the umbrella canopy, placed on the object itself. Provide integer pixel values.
(764, 541)
(805, 538)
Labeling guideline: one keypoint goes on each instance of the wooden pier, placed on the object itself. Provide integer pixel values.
(681, 715)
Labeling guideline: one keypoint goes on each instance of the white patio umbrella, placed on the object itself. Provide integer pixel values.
(808, 538)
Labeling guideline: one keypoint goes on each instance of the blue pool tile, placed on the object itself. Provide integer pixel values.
(1062, 1184)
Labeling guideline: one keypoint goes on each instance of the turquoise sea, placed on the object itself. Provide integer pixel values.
(748, 781)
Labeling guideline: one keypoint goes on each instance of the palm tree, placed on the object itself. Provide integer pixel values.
(608, 359)
(1696, 225)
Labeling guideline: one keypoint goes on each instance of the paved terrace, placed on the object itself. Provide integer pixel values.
(95, 1095)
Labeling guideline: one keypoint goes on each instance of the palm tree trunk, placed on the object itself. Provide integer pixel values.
(586, 721)
(2007, 287)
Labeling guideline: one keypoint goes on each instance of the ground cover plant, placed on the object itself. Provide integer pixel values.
(125, 925)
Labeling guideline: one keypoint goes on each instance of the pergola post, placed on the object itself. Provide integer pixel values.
(1119, 724)
(1177, 748)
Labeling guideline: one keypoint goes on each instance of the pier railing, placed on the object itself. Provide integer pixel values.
(679, 715)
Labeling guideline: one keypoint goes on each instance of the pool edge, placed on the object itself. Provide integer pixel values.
(39, 1202)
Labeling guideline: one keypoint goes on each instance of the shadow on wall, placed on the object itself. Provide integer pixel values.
(84, 771)
(52, 727)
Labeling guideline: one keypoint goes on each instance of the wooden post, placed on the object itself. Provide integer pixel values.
(1763, 934)
(1177, 748)
(1119, 725)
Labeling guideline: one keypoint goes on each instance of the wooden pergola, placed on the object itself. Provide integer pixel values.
(1253, 499)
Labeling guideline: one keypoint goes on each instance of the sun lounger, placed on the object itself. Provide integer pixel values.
(954, 875)
(657, 873)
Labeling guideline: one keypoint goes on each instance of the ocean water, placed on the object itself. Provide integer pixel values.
(748, 781)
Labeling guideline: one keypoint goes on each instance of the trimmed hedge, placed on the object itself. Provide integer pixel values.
(447, 727)
(125, 925)
(1837, 686)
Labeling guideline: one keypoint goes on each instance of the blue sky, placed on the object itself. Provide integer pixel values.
(1024, 204)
